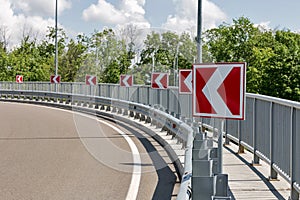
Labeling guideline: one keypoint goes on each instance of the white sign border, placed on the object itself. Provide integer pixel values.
(126, 75)
(242, 65)
(153, 80)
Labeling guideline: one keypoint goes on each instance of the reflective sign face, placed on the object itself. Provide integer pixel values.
(90, 80)
(126, 80)
(55, 79)
(185, 81)
(219, 90)
(19, 79)
(159, 80)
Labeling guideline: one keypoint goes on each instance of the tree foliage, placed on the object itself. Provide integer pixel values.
(272, 56)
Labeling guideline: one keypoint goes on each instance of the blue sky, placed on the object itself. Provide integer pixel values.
(274, 13)
(279, 13)
(33, 16)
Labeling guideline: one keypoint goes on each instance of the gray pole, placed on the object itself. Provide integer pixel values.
(56, 45)
(220, 144)
(199, 32)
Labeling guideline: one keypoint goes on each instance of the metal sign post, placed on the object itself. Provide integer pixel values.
(220, 127)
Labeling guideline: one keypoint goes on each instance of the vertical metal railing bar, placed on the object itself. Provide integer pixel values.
(254, 133)
(273, 173)
(241, 147)
(294, 194)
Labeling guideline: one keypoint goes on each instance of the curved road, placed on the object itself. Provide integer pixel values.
(48, 153)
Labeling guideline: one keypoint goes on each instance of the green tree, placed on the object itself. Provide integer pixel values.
(73, 58)
(272, 57)
(108, 56)
(27, 61)
(4, 64)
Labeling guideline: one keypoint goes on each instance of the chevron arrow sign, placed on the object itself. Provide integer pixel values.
(219, 90)
(90, 80)
(19, 79)
(159, 80)
(54, 79)
(185, 81)
(126, 80)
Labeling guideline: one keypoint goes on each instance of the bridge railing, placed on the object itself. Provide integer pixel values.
(271, 130)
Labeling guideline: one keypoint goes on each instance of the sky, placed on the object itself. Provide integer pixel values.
(20, 17)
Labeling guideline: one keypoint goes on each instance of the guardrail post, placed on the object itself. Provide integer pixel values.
(221, 186)
(158, 97)
(99, 90)
(220, 145)
(241, 147)
(138, 94)
(207, 180)
(168, 101)
(294, 194)
(273, 173)
(255, 157)
(227, 140)
(202, 179)
(148, 96)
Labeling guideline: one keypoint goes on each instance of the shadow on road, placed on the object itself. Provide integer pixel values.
(166, 177)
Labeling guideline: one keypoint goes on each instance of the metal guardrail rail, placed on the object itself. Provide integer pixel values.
(174, 126)
(271, 130)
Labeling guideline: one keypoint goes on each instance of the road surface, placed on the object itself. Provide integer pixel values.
(48, 153)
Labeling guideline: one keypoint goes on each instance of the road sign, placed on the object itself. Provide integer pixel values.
(90, 80)
(126, 80)
(19, 78)
(55, 79)
(185, 81)
(159, 80)
(219, 90)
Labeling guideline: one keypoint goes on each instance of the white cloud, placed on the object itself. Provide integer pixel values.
(128, 11)
(104, 12)
(133, 11)
(41, 8)
(17, 21)
(185, 18)
(264, 26)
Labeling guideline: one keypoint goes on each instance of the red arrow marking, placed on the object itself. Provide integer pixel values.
(55, 79)
(90, 80)
(203, 105)
(19, 79)
(126, 80)
(159, 80)
(219, 90)
(231, 96)
(185, 81)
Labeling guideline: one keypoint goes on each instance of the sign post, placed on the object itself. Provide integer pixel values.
(219, 92)
(91, 81)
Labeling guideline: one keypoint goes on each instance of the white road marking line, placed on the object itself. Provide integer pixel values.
(136, 174)
(137, 169)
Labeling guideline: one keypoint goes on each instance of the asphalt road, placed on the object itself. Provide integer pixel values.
(48, 153)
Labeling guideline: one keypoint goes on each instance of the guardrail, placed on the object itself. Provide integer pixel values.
(271, 130)
(77, 102)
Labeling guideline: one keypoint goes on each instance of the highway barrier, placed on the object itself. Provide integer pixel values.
(271, 130)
